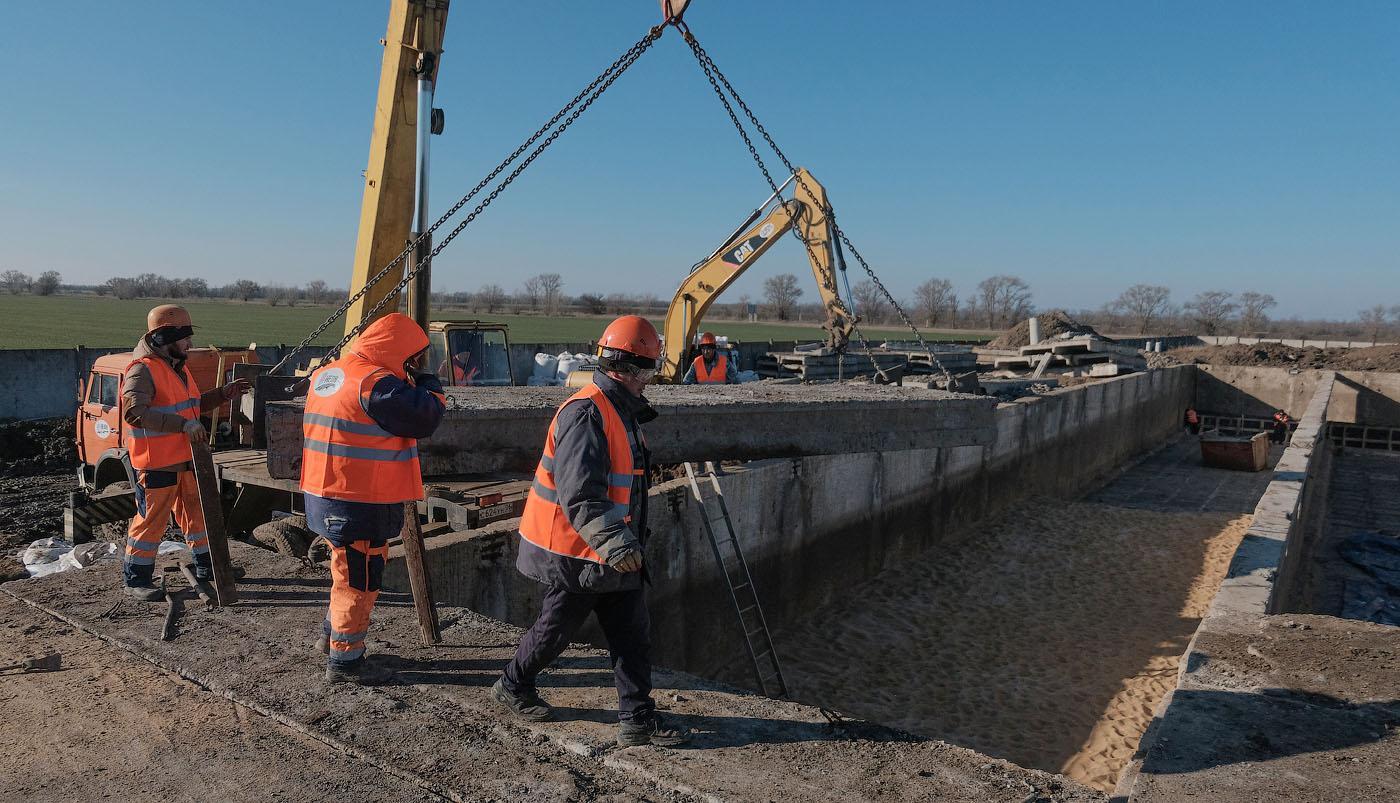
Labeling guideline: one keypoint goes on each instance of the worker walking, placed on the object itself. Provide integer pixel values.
(359, 465)
(711, 367)
(582, 536)
(162, 405)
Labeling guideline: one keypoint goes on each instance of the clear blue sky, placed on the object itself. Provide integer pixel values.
(1083, 146)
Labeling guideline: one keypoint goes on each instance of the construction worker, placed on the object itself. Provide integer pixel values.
(710, 367)
(162, 405)
(460, 369)
(1281, 421)
(359, 465)
(1192, 420)
(582, 536)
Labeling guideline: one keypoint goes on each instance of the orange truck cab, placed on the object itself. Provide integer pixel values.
(101, 430)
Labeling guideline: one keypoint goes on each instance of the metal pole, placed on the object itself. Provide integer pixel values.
(419, 292)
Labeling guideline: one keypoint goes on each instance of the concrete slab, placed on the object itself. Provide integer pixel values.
(503, 429)
(434, 726)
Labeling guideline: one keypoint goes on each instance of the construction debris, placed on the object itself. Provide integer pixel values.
(1073, 351)
(822, 363)
(1052, 324)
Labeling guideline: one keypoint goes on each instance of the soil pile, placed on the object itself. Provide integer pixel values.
(36, 447)
(1052, 323)
(1277, 355)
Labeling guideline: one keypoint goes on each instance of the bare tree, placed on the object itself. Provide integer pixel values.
(16, 282)
(47, 283)
(782, 293)
(317, 292)
(244, 289)
(491, 296)
(870, 304)
(933, 299)
(193, 287)
(593, 303)
(1254, 307)
(1373, 321)
(1211, 309)
(551, 292)
(1004, 299)
(531, 292)
(1143, 304)
(123, 287)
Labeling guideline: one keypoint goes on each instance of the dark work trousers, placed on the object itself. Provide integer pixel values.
(626, 625)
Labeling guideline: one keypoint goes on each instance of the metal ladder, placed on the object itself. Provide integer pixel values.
(720, 529)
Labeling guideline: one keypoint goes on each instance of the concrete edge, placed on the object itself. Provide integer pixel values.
(1248, 589)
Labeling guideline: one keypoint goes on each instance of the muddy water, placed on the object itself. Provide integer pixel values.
(1047, 639)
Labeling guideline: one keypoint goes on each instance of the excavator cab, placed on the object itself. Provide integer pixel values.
(470, 353)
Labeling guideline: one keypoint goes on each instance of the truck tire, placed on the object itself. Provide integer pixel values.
(287, 536)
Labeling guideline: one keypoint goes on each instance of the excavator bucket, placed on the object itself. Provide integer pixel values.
(671, 10)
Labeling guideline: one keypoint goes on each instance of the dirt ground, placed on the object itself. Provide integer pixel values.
(1054, 322)
(36, 476)
(110, 725)
(1373, 358)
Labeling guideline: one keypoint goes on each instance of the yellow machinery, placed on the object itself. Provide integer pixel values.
(806, 211)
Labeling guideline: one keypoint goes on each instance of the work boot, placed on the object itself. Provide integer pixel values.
(527, 706)
(323, 644)
(146, 592)
(360, 673)
(650, 728)
(204, 569)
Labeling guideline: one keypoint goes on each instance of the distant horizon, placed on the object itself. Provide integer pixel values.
(1247, 147)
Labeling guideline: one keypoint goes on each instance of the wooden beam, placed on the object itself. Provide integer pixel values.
(418, 580)
(211, 503)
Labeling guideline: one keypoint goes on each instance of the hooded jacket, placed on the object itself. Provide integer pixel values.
(400, 406)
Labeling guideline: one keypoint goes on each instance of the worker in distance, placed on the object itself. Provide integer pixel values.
(583, 532)
(364, 415)
(710, 367)
(161, 407)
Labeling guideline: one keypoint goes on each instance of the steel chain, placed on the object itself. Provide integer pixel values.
(608, 75)
(717, 77)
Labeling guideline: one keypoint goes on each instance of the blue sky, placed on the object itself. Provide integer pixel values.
(1083, 146)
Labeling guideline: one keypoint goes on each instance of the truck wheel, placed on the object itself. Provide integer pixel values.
(287, 536)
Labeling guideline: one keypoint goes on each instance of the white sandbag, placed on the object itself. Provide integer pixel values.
(546, 366)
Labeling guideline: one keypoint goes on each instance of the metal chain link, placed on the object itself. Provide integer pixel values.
(605, 79)
(713, 73)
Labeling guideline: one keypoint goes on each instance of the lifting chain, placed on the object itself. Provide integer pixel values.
(573, 109)
(716, 78)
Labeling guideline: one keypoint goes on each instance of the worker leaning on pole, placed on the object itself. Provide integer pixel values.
(161, 406)
(359, 465)
(710, 367)
(582, 535)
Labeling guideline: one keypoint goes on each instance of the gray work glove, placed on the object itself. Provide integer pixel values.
(193, 428)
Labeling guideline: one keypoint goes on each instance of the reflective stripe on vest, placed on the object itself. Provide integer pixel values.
(704, 376)
(150, 448)
(345, 454)
(545, 523)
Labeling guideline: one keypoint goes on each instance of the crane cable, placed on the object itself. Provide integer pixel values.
(716, 78)
(573, 109)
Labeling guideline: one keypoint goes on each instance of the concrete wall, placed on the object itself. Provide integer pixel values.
(1226, 340)
(812, 526)
(1358, 397)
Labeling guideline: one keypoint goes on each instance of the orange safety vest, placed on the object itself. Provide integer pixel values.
(545, 523)
(152, 449)
(346, 455)
(718, 375)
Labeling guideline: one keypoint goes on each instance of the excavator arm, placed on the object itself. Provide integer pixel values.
(807, 211)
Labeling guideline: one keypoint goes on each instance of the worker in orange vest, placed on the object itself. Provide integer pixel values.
(583, 531)
(161, 406)
(1281, 421)
(1193, 420)
(710, 367)
(359, 464)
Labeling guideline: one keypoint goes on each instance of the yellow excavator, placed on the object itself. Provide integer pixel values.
(806, 212)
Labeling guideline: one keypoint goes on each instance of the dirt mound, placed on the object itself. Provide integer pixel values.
(1052, 323)
(36, 447)
(1277, 355)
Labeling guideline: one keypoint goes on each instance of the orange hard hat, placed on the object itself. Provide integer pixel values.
(167, 315)
(634, 335)
(707, 339)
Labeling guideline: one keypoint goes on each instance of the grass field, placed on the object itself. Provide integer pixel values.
(67, 321)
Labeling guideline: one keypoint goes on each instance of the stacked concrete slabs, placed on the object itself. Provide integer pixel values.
(503, 429)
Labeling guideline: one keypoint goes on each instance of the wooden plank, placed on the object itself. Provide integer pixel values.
(212, 505)
(412, 536)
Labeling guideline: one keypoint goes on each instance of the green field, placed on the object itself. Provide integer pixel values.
(67, 321)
